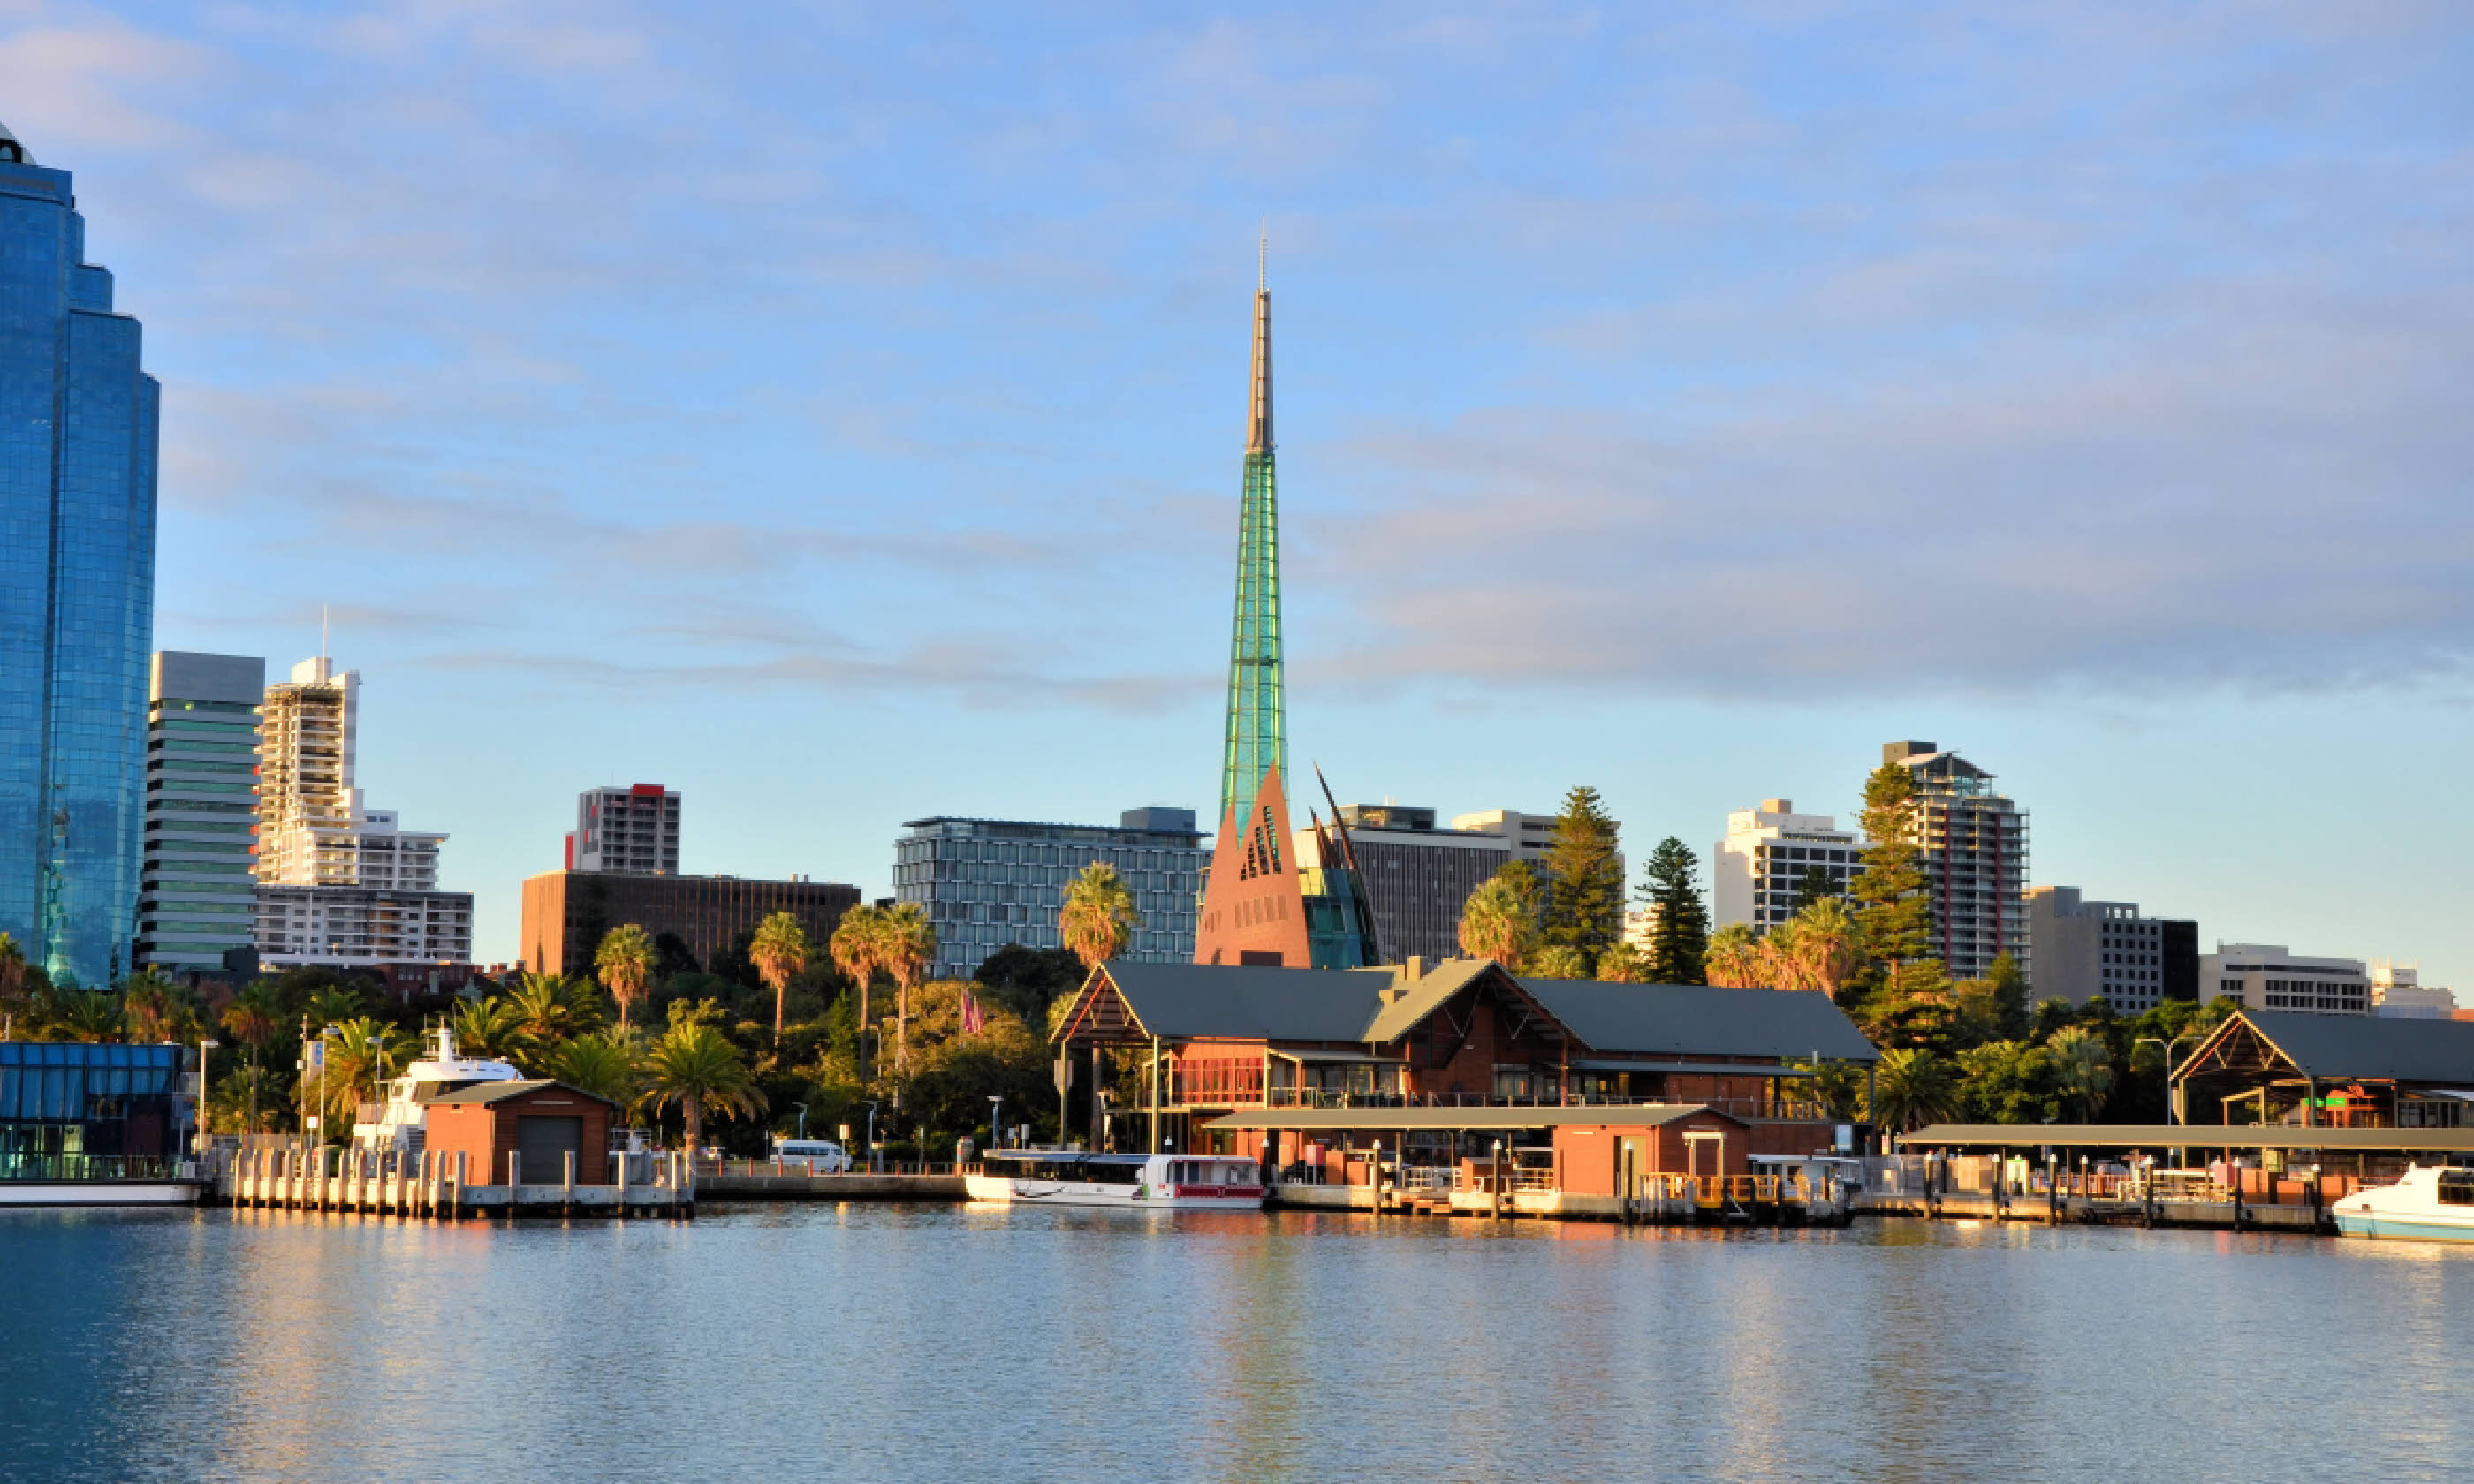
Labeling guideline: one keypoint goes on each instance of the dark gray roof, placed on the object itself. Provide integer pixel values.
(1250, 1003)
(1702, 1019)
(1617, 1116)
(2336, 1045)
(500, 1091)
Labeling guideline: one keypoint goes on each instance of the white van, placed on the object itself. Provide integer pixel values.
(812, 1156)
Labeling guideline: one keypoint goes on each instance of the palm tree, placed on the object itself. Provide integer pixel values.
(604, 1065)
(334, 1004)
(907, 948)
(1098, 921)
(551, 1008)
(1735, 957)
(363, 1053)
(1911, 1087)
(694, 1067)
(854, 945)
(1830, 943)
(250, 1019)
(625, 963)
(489, 1028)
(1559, 960)
(779, 951)
(1623, 964)
(87, 1014)
(1500, 918)
(1779, 955)
(149, 1003)
(2083, 1069)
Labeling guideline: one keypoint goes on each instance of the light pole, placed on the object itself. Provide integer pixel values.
(205, 1045)
(2167, 1047)
(325, 1034)
(996, 1112)
(803, 1119)
(871, 1136)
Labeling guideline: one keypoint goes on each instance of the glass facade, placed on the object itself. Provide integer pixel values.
(198, 901)
(77, 580)
(986, 883)
(1258, 738)
(71, 1111)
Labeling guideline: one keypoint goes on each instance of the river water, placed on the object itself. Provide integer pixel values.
(935, 1343)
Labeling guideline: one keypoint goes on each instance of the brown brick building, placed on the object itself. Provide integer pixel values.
(541, 1121)
(566, 912)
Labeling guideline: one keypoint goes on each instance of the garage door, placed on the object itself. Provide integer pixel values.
(544, 1142)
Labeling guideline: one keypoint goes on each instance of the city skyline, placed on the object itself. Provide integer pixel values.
(1999, 447)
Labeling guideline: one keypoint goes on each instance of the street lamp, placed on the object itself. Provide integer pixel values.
(803, 1119)
(2167, 1047)
(996, 1128)
(871, 1136)
(205, 1045)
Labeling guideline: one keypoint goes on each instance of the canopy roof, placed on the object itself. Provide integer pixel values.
(2347, 1046)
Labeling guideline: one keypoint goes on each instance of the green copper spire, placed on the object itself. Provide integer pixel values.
(1258, 737)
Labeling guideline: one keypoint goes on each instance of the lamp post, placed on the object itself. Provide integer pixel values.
(996, 1125)
(2167, 1047)
(205, 1045)
(803, 1119)
(871, 1136)
(325, 1034)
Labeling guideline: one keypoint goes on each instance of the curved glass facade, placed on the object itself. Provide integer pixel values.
(77, 581)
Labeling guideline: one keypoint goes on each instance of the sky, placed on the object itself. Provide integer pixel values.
(836, 412)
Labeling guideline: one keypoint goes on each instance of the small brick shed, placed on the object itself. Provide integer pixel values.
(541, 1120)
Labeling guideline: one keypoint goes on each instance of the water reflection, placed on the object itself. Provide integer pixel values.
(937, 1343)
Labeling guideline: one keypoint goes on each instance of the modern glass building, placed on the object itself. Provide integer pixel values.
(76, 585)
(197, 905)
(71, 1111)
(986, 883)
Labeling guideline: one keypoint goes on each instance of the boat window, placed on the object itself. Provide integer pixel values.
(2457, 1187)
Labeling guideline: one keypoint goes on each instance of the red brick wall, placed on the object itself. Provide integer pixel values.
(485, 1134)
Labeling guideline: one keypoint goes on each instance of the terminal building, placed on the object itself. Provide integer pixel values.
(986, 883)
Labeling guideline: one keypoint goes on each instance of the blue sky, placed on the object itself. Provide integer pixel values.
(836, 412)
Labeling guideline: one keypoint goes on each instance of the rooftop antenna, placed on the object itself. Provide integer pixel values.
(1263, 260)
(322, 630)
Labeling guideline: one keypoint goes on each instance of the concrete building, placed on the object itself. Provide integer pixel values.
(78, 445)
(313, 827)
(373, 929)
(1757, 872)
(1526, 835)
(2086, 948)
(196, 911)
(1974, 844)
(986, 883)
(568, 912)
(2270, 976)
(632, 829)
(1417, 876)
(2397, 991)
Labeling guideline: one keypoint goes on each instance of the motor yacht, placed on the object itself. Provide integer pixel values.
(2432, 1202)
(403, 1116)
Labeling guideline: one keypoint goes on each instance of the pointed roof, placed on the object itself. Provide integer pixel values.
(2347, 1046)
(1258, 403)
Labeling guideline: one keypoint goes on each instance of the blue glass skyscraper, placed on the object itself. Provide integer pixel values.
(76, 585)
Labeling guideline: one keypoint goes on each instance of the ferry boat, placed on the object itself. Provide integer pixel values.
(404, 1116)
(1144, 1182)
(2430, 1202)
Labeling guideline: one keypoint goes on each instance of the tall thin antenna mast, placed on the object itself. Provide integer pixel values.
(322, 630)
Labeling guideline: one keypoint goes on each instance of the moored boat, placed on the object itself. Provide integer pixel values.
(403, 1119)
(1146, 1181)
(2433, 1203)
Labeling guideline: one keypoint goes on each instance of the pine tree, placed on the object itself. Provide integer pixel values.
(1679, 943)
(1893, 916)
(1585, 880)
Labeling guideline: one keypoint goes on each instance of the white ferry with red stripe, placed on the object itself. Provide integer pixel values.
(1134, 1182)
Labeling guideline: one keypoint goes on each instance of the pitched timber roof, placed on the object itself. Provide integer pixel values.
(1702, 1019)
(2335, 1046)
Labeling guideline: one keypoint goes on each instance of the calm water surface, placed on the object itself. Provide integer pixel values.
(868, 1342)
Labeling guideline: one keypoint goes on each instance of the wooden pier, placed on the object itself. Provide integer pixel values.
(1663, 1200)
(433, 1187)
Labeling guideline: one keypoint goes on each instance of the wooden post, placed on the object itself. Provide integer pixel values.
(621, 1181)
(1155, 1094)
(567, 1183)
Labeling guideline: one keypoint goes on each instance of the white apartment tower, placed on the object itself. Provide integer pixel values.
(1975, 845)
(632, 829)
(1758, 871)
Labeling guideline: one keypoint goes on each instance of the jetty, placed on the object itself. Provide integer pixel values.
(434, 1184)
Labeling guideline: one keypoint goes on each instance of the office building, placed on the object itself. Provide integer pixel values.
(2270, 976)
(196, 909)
(1975, 859)
(2086, 948)
(1417, 877)
(2397, 991)
(376, 929)
(1525, 836)
(986, 883)
(633, 828)
(1758, 872)
(77, 585)
(314, 829)
(566, 913)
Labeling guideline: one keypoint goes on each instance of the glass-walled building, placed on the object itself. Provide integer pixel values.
(986, 883)
(76, 585)
(197, 903)
(74, 1110)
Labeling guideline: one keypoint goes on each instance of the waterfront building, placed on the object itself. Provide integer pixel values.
(986, 883)
(566, 913)
(2397, 991)
(2271, 976)
(1975, 845)
(1417, 877)
(79, 1110)
(1316, 914)
(2306, 1068)
(78, 425)
(196, 911)
(1259, 1060)
(2086, 948)
(630, 828)
(1757, 872)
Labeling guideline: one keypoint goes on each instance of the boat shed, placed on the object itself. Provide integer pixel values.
(535, 1124)
(2342, 1071)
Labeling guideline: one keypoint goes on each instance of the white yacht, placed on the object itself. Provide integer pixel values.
(2430, 1202)
(1141, 1181)
(402, 1115)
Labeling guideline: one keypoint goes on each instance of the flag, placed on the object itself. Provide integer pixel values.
(971, 1018)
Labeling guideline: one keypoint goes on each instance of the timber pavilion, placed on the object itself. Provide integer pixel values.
(1444, 1062)
(2297, 1068)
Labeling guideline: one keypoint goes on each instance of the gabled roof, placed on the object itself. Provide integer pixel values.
(2335, 1046)
(1636, 1115)
(1422, 996)
(1702, 1019)
(1177, 1001)
(486, 1092)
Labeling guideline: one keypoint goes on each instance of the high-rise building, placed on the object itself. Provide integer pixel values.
(1260, 905)
(986, 883)
(568, 912)
(78, 418)
(1417, 877)
(633, 827)
(196, 908)
(1975, 859)
(2086, 948)
(1758, 872)
(2271, 976)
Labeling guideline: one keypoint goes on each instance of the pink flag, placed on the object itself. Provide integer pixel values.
(971, 1021)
